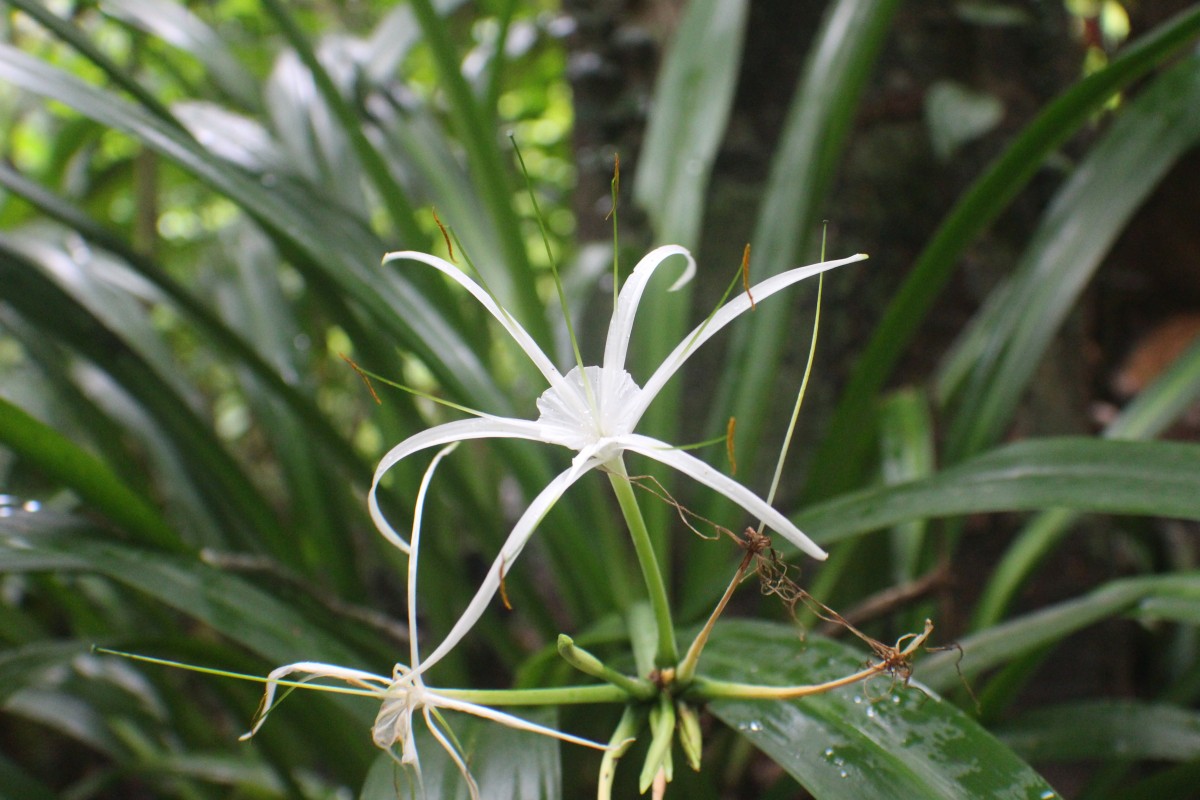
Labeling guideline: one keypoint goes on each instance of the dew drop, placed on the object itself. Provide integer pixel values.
(870, 712)
(828, 752)
(843, 774)
(857, 700)
(754, 726)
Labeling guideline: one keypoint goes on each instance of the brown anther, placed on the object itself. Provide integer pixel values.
(616, 184)
(729, 431)
(363, 375)
(503, 590)
(746, 276)
(445, 235)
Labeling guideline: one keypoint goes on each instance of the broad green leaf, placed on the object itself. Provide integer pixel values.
(64, 461)
(849, 434)
(1147, 415)
(692, 101)
(1010, 640)
(1077, 230)
(41, 301)
(1105, 729)
(878, 740)
(374, 167)
(1115, 477)
(179, 27)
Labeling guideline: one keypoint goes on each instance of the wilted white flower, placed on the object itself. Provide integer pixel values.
(405, 693)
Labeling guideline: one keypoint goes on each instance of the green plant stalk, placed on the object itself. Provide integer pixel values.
(587, 663)
(687, 668)
(620, 742)
(662, 733)
(667, 654)
(708, 689)
(554, 696)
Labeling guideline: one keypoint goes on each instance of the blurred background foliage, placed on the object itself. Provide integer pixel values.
(194, 202)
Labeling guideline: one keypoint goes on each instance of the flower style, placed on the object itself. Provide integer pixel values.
(405, 692)
(592, 411)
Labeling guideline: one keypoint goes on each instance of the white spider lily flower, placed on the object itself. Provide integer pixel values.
(592, 411)
(405, 693)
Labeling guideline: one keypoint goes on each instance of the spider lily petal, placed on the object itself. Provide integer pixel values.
(724, 315)
(695, 468)
(461, 430)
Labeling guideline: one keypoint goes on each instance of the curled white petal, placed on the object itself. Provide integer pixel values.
(487, 427)
(518, 333)
(413, 558)
(620, 328)
(512, 721)
(726, 314)
(509, 552)
(703, 473)
(314, 670)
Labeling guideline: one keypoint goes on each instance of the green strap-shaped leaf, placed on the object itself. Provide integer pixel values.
(1100, 729)
(513, 281)
(1114, 477)
(374, 167)
(876, 740)
(336, 254)
(1087, 215)
(1156, 407)
(47, 542)
(44, 304)
(1010, 640)
(692, 100)
(176, 24)
(850, 432)
(64, 461)
(217, 332)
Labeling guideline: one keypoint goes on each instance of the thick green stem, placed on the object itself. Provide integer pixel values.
(667, 654)
(582, 660)
(563, 695)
